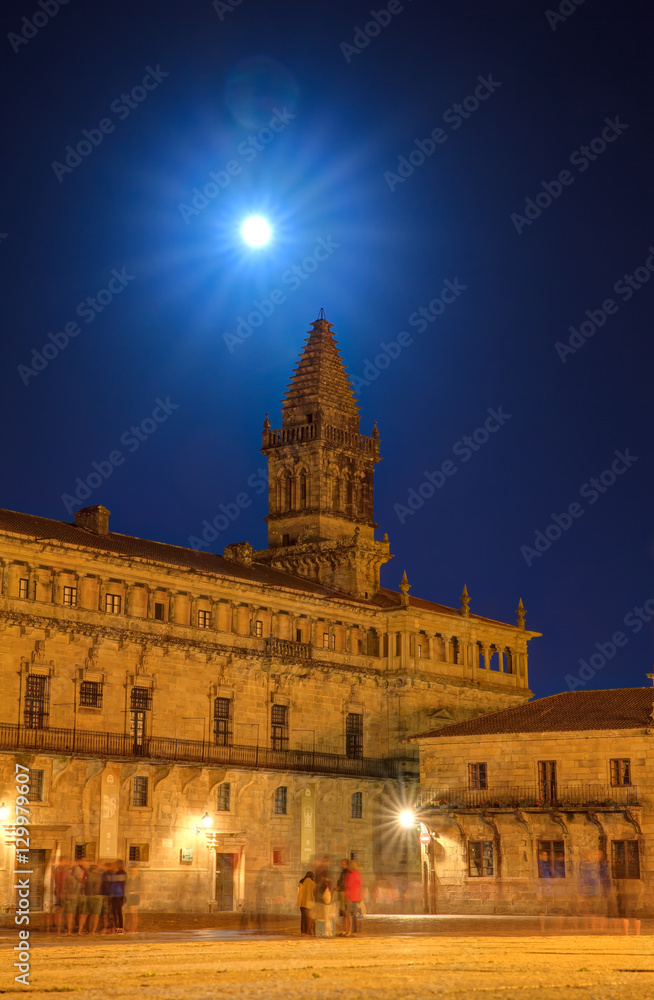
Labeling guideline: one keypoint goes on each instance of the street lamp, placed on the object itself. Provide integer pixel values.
(407, 818)
(205, 824)
(4, 813)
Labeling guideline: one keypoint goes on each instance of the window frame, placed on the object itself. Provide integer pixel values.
(84, 700)
(556, 862)
(356, 805)
(23, 589)
(620, 769)
(204, 618)
(113, 604)
(258, 628)
(478, 856)
(478, 776)
(628, 866)
(38, 785)
(222, 721)
(280, 801)
(159, 611)
(279, 727)
(140, 791)
(354, 735)
(224, 796)
(69, 597)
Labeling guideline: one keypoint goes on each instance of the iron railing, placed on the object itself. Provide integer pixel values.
(84, 743)
(284, 647)
(585, 796)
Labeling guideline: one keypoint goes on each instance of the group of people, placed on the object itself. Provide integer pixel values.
(86, 892)
(322, 902)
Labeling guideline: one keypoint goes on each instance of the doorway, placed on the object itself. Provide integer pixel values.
(225, 865)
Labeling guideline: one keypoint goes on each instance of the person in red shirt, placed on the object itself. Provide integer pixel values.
(352, 898)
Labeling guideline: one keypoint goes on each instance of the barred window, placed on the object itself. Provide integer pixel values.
(222, 716)
(625, 859)
(281, 800)
(477, 776)
(35, 783)
(84, 852)
(277, 857)
(551, 859)
(480, 858)
(112, 604)
(279, 727)
(224, 797)
(138, 852)
(23, 588)
(621, 771)
(37, 701)
(140, 791)
(70, 597)
(141, 699)
(204, 619)
(354, 735)
(356, 805)
(90, 694)
(258, 628)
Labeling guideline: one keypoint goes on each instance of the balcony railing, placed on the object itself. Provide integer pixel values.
(284, 647)
(564, 797)
(116, 746)
(276, 438)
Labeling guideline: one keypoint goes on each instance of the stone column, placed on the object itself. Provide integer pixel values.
(194, 611)
(214, 615)
(102, 595)
(150, 611)
(54, 583)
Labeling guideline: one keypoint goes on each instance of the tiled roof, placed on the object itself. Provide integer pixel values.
(618, 708)
(43, 528)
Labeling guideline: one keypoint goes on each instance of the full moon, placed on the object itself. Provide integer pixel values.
(256, 231)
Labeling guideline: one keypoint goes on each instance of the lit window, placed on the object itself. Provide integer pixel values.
(23, 586)
(90, 694)
(621, 771)
(204, 619)
(625, 859)
(140, 791)
(419, 651)
(281, 800)
(70, 597)
(356, 805)
(138, 852)
(258, 629)
(325, 640)
(112, 604)
(480, 858)
(224, 797)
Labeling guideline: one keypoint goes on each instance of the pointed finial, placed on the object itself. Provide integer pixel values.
(405, 587)
(266, 423)
(465, 602)
(385, 538)
(520, 611)
(321, 314)
(375, 432)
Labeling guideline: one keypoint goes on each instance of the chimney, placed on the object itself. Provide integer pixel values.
(95, 519)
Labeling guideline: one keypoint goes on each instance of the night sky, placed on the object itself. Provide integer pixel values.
(304, 118)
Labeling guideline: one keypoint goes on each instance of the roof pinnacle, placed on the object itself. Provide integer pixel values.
(465, 602)
(521, 613)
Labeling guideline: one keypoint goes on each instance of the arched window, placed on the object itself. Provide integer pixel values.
(287, 492)
(303, 490)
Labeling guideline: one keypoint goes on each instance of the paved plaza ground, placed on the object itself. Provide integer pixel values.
(446, 960)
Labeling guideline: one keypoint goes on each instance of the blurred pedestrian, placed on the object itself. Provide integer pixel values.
(117, 884)
(105, 889)
(322, 911)
(59, 872)
(72, 890)
(94, 897)
(340, 892)
(132, 899)
(306, 902)
(352, 883)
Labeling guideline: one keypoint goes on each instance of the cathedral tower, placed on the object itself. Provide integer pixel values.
(320, 473)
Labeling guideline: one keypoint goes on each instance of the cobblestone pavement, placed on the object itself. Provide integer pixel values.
(161, 967)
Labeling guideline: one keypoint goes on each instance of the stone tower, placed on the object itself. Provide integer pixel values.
(320, 473)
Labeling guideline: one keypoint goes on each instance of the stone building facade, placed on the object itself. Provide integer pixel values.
(223, 720)
(542, 808)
